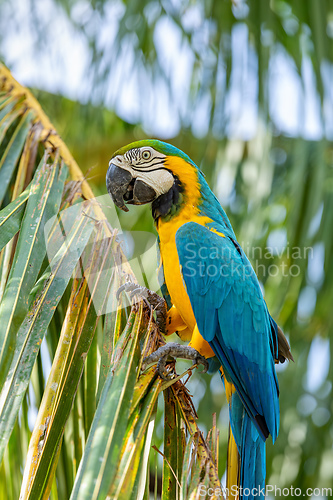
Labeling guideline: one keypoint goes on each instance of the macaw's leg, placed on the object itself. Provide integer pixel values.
(176, 324)
(200, 344)
(177, 351)
(152, 299)
(168, 323)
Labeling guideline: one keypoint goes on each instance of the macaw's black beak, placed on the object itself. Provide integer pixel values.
(123, 188)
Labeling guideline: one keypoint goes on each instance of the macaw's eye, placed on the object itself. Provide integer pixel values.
(146, 154)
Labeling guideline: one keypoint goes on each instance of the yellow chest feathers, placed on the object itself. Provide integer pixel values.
(167, 234)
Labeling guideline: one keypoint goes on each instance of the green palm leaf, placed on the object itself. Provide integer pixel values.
(60, 267)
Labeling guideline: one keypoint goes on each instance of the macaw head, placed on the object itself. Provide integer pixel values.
(148, 171)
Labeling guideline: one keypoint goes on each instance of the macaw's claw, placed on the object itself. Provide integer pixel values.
(133, 289)
(150, 298)
(177, 351)
(129, 288)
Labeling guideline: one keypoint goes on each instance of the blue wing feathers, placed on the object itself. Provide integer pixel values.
(232, 316)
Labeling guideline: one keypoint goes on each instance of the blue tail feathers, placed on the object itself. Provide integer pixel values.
(251, 448)
(253, 462)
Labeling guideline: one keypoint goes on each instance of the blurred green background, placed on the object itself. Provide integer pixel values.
(245, 88)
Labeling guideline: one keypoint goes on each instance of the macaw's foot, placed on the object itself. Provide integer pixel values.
(177, 351)
(151, 299)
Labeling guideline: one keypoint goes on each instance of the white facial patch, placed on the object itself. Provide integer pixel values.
(147, 164)
(160, 180)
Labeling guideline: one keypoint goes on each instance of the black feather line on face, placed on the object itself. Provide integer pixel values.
(135, 159)
(145, 165)
(143, 168)
(132, 154)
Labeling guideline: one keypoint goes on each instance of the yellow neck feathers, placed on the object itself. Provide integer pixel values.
(188, 177)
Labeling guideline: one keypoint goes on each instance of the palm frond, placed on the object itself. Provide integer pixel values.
(92, 434)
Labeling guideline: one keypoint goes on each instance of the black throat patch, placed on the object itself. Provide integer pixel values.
(168, 204)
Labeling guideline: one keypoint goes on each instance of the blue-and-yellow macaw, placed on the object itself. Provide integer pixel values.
(213, 293)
